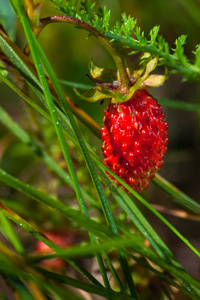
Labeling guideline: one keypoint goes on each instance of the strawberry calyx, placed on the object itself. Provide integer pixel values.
(108, 83)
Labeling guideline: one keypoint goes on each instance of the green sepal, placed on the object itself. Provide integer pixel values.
(153, 81)
(102, 75)
(125, 97)
(108, 83)
(92, 95)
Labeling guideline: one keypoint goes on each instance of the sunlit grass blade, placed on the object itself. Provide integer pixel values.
(10, 234)
(109, 245)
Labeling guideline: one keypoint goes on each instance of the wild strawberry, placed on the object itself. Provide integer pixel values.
(64, 240)
(135, 139)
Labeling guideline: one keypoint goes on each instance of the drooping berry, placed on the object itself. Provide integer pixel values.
(135, 139)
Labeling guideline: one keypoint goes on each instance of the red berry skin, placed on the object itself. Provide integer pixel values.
(135, 139)
(61, 238)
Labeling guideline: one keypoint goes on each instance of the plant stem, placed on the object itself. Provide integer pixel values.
(125, 82)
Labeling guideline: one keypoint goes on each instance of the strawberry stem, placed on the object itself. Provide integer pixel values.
(124, 78)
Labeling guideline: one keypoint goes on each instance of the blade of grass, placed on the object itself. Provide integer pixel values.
(35, 49)
(132, 243)
(90, 248)
(11, 234)
(15, 266)
(176, 194)
(193, 293)
(95, 288)
(23, 136)
(193, 107)
(26, 226)
(146, 204)
(36, 291)
(10, 272)
(83, 285)
(59, 292)
(76, 85)
(25, 68)
(145, 228)
(138, 219)
(69, 213)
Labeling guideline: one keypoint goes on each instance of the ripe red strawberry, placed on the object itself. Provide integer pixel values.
(135, 139)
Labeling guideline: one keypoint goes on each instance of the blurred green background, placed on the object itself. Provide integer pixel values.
(69, 51)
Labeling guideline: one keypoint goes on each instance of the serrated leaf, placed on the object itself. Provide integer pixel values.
(197, 55)
(154, 33)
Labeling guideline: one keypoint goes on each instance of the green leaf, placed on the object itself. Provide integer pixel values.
(153, 34)
(197, 55)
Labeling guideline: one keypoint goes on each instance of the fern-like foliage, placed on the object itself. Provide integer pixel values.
(129, 35)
